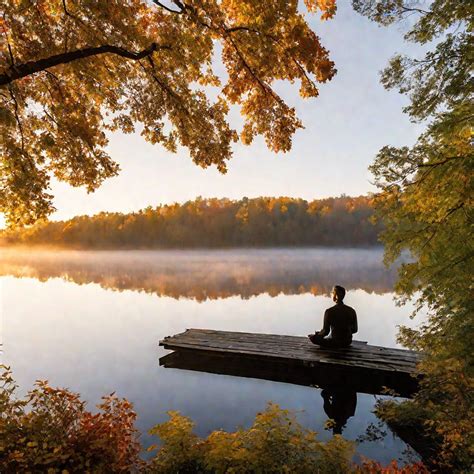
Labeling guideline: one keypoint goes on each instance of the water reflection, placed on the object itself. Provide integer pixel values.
(335, 381)
(74, 333)
(339, 391)
(202, 275)
(339, 404)
(340, 401)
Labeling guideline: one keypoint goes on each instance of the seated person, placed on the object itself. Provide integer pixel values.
(340, 319)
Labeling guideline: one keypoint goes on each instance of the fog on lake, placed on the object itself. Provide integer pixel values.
(205, 275)
(62, 322)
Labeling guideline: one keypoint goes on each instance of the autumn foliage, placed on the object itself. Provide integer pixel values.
(71, 71)
(275, 442)
(262, 222)
(373, 467)
(426, 204)
(51, 431)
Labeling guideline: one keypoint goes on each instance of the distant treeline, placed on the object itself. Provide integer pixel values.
(259, 222)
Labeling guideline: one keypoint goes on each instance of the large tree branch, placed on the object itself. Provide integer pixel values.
(265, 87)
(19, 71)
(17, 118)
(414, 10)
(275, 40)
(439, 163)
(168, 9)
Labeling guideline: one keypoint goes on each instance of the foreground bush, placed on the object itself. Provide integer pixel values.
(274, 443)
(50, 431)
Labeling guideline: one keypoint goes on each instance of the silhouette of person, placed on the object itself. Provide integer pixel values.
(339, 405)
(340, 320)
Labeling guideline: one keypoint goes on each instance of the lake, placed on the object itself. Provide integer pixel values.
(91, 321)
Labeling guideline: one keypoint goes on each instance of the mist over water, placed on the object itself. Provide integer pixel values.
(211, 274)
(62, 322)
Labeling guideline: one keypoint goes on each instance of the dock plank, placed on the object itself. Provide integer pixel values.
(294, 348)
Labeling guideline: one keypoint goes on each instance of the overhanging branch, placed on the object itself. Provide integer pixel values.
(168, 9)
(19, 71)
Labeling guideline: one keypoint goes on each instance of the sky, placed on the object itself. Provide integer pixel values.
(353, 117)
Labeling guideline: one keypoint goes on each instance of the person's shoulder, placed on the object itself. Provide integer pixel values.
(350, 309)
(332, 309)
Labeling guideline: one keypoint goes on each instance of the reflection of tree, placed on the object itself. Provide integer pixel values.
(202, 275)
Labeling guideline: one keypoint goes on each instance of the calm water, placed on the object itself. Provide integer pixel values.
(91, 321)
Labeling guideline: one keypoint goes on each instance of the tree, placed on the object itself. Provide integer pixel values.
(426, 204)
(261, 222)
(72, 70)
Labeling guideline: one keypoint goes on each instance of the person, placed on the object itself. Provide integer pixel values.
(340, 320)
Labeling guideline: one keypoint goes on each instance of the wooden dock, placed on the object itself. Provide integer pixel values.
(293, 359)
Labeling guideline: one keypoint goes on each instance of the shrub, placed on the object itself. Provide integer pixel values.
(276, 443)
(51, 431)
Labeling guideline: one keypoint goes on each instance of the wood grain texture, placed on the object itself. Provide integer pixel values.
(294, 348)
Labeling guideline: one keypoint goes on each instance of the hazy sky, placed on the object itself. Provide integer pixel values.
(345, 126)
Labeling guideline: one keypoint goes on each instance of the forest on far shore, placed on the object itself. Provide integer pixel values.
(259, 222)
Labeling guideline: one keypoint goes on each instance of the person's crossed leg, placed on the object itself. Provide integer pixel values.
(326, 341)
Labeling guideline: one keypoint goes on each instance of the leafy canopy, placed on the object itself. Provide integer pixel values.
(72, 70)
(426, 204)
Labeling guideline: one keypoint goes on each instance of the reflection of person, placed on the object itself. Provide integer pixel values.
(340, 319)
(339, 405)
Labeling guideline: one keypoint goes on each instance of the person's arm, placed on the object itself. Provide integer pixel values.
(354, 323)
(326, 325)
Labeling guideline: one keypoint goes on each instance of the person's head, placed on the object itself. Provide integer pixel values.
(338, 293)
